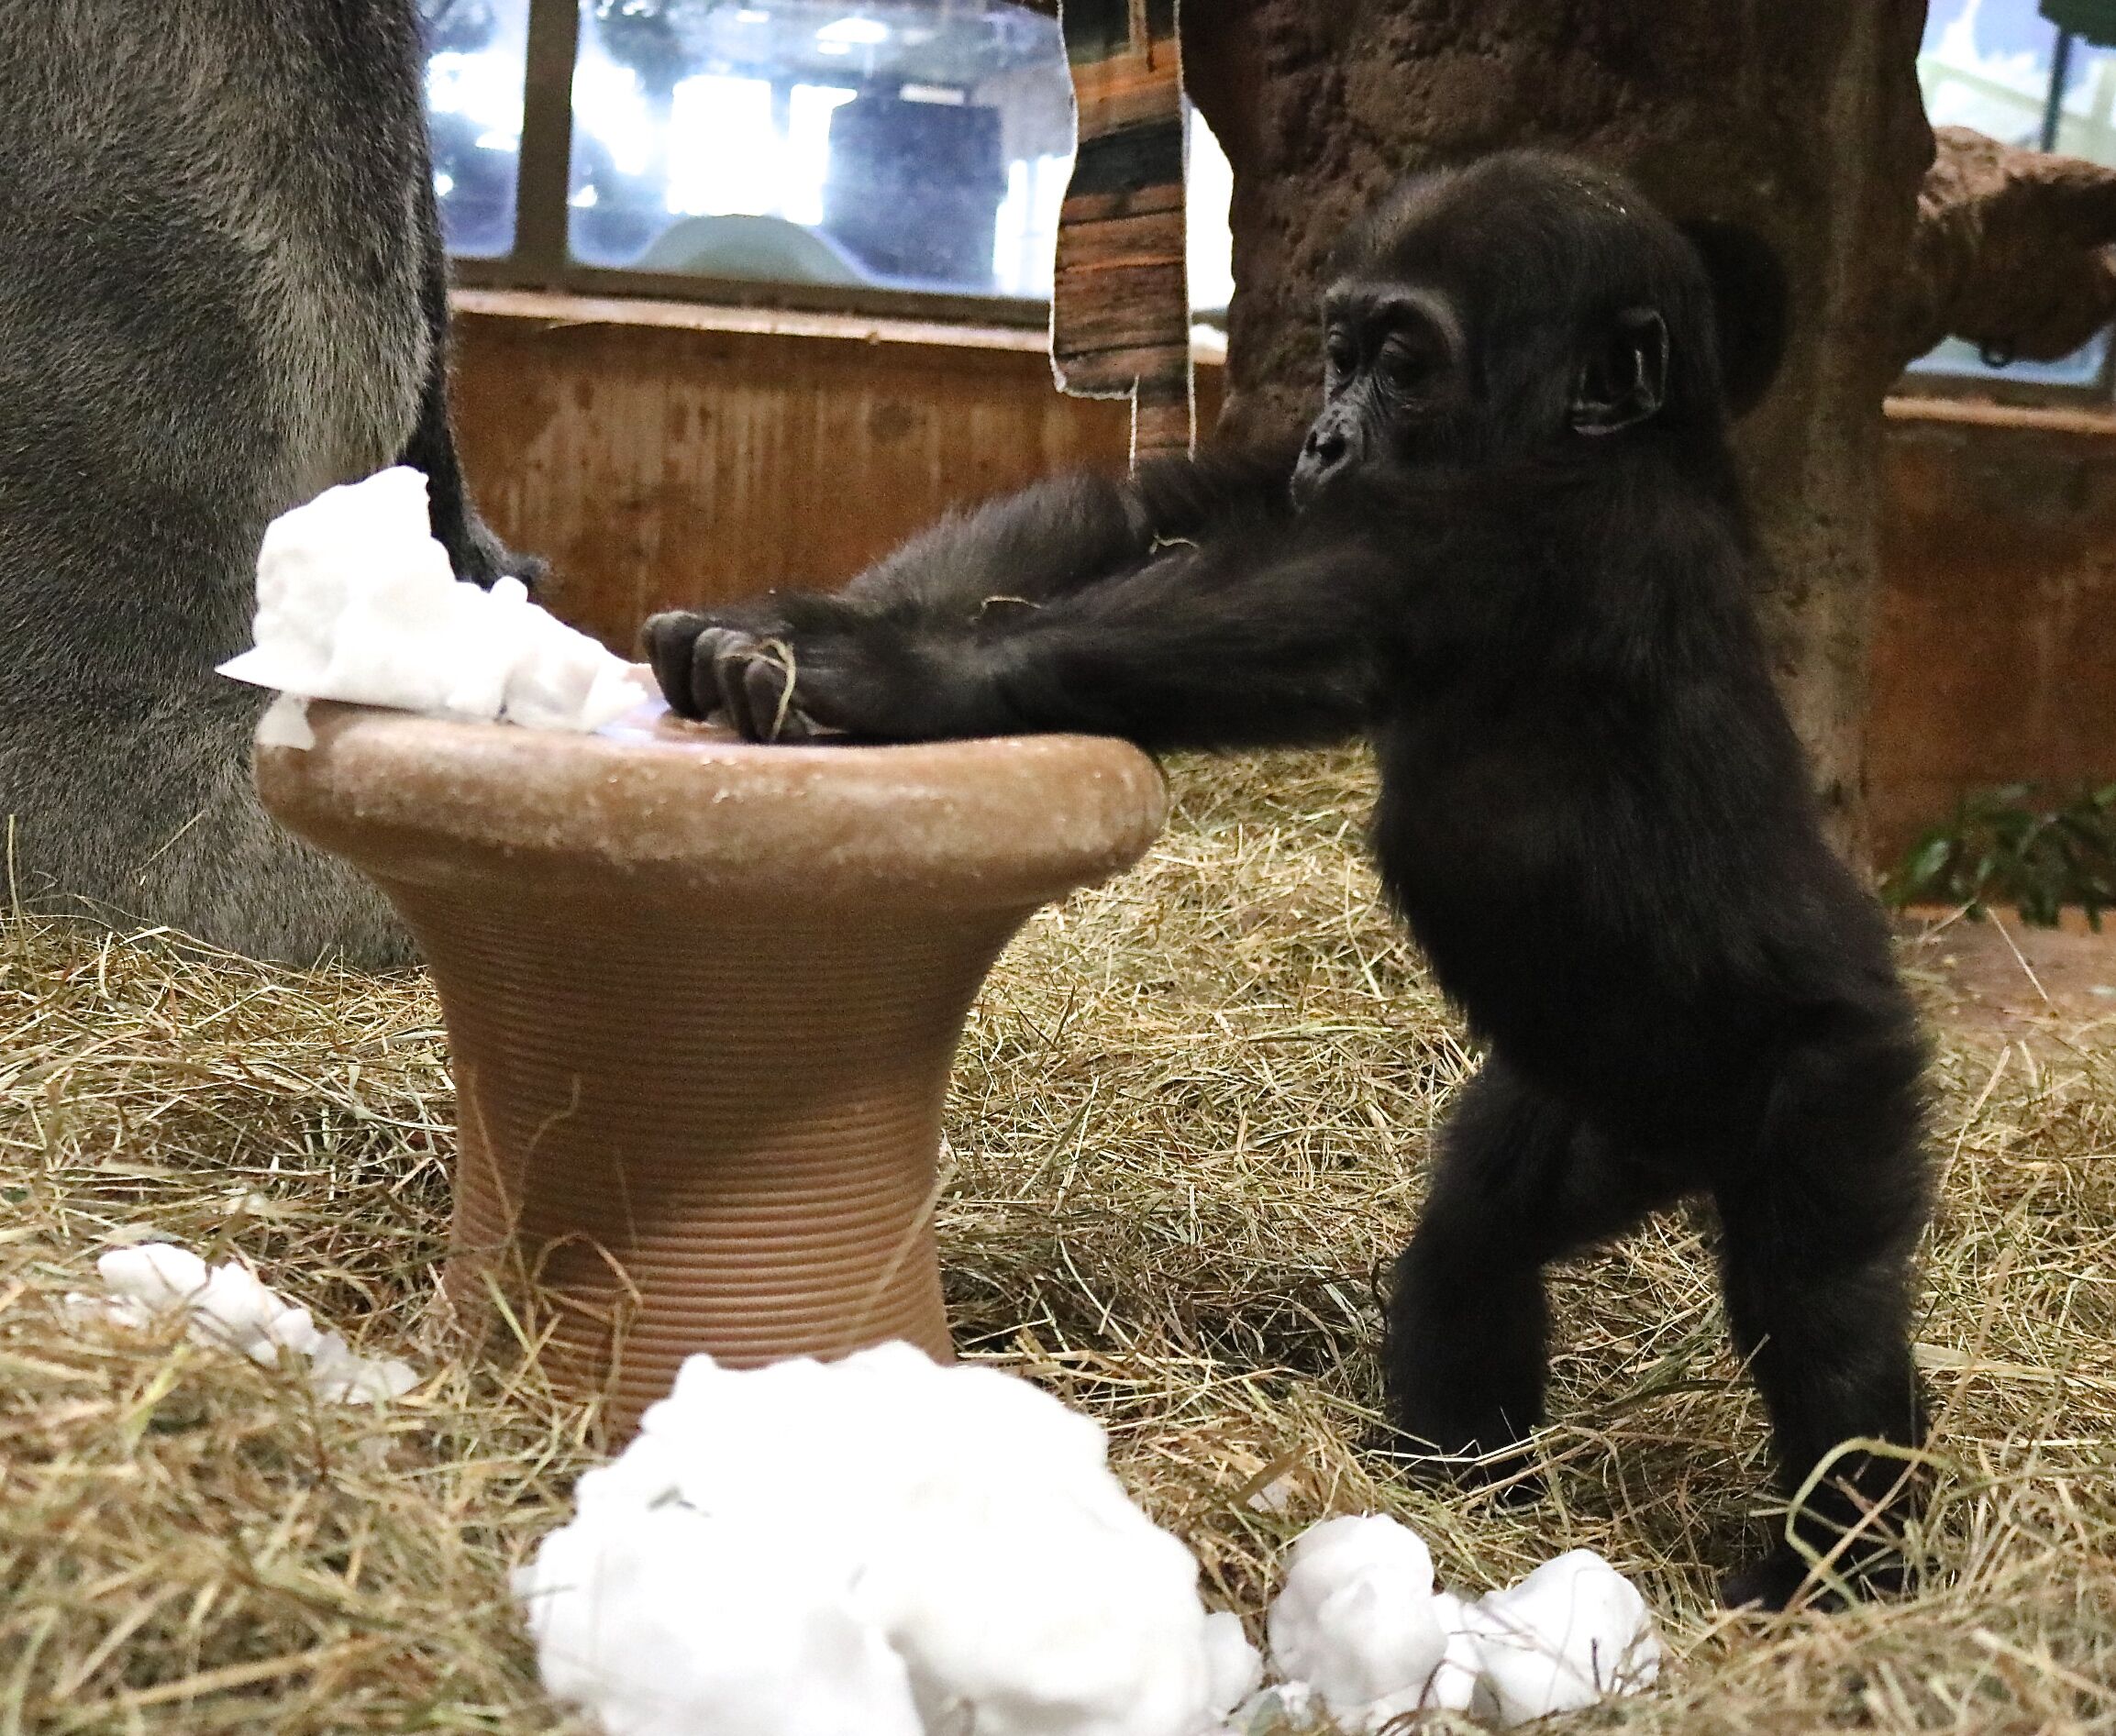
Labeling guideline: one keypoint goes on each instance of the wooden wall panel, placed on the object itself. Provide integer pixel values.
(1995, 649)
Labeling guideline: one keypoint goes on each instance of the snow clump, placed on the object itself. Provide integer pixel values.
(1355, 1620)
(357, 602)
(878, 1546)
(230, 1306)
(1360, 1625)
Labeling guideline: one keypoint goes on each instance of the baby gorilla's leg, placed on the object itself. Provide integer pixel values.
(1820, 1217)
(1521, 1180)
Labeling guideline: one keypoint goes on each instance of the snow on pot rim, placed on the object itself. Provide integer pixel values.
(356, 601)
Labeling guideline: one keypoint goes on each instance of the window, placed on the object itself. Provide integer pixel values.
(835, 152)
(2003, 67)
(475, 51)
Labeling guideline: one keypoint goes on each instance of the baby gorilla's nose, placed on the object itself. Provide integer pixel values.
(1327, 447)
(1327, 450)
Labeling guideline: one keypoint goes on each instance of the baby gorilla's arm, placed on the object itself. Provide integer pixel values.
(1282, 640)
(958, 580)
(1009, 553)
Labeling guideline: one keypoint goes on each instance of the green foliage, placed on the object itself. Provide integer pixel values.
(2017, 845)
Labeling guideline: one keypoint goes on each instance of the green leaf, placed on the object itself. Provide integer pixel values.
(2043, 850)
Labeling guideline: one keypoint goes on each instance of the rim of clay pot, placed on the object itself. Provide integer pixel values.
(678, 809)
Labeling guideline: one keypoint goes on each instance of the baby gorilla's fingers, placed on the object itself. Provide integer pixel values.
(717, 656)
(669, 641)
(754, 681)
(758, 678)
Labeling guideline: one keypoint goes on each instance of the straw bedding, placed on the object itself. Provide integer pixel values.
(1187, 1134)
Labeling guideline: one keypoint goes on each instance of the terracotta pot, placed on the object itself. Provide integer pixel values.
(702, 998)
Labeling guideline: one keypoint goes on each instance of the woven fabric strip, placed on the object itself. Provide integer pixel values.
(1120, 301)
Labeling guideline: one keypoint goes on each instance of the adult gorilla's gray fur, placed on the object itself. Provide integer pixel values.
(221, 290)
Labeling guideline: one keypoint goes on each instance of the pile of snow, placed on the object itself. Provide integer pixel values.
(230, 1306)
(356, 600)
(878, 1546)
(884, 1547)
(1360, 1625)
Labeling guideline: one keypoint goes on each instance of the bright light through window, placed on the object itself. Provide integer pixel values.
(483, 88)
(474, 83)
(1210, 184)
(821, 141)
(608, 102)
(1027, 226)
(724, 157)
(808, 111)
(859, 32)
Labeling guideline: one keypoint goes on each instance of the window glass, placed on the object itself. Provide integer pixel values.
(475, 51)
(1989, 65)
(1986, 65)
(912, 144)
(2085, 125)
(919, 144)
(1209, 184)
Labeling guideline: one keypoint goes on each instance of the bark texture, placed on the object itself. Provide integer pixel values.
(1797, 121)
(2011, 250)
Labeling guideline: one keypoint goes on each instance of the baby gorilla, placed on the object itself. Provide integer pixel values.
(1513, 553)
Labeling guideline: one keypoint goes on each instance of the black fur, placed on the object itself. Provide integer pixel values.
(222, 290)
(1520, 563)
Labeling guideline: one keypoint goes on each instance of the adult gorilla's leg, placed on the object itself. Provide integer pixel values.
(1520, 1180)
(1820, 1221)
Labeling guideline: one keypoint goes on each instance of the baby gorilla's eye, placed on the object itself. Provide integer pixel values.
(1411, 363)
(1340, 354)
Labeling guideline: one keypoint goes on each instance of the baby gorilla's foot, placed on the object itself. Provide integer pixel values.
(1768, 1584)
(1464, 1374)
(1449, 1419)
(1507, 1473)
(1869, 1566)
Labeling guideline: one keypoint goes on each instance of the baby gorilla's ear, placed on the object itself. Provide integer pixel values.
(1624, 378)
(1752, 308)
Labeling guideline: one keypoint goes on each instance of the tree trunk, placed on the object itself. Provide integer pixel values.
(1797, 120)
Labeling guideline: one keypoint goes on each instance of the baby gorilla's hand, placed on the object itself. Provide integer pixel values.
(820, 671)
(754, 679)
(720, 661)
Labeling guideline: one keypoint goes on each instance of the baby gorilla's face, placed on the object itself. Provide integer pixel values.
(1395, 385)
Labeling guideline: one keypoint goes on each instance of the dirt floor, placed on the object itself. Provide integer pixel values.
(1190, 1122)
(2002, 978)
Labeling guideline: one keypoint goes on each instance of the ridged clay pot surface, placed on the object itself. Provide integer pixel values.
(702, 999)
